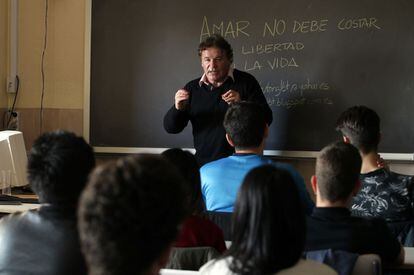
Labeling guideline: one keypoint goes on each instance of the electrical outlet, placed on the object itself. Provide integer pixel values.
(11, 85)
(13, 120)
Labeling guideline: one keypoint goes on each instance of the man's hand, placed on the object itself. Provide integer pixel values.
(181, 97)
(231, 96)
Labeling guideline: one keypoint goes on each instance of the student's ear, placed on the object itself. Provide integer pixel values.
(314, 184)
(357, 187)
(346, 139)
(229, 140)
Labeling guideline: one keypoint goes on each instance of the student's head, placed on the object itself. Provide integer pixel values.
(245, 125)
(129, 215)
(268, 223)
(361, 126)
(58, 166)
(337, 172)
(187, 165)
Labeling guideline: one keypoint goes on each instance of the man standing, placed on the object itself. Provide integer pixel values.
(384, 193)
(204, 101)
(246, 131)
(331, 225)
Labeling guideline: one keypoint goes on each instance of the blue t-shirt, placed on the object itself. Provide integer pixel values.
(221, 180)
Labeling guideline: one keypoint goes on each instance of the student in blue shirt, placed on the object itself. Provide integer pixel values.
(246, 131)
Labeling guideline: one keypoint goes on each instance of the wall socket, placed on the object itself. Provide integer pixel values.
(14, 120)
(11, 85)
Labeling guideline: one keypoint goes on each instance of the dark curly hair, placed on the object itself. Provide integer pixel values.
(129, 214)
(58, 166)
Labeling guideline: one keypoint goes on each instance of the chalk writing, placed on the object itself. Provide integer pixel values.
(289, 103)
(275, 63)
(272, 47)
(310, 26)
(359, 23)
(285, 87)
(226, 29)
(278, 28)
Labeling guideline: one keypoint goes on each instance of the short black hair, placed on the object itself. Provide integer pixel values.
(337, 171)
(187, 165)
(245, 123)
(362, 126)
(58, 166)
(129, 214)
(269, 223)
(216, 41)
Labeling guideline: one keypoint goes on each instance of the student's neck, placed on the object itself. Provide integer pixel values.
(257, 151)
(325, 203)
(369, 162)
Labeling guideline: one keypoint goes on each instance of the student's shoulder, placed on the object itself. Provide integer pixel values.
(215, 164)
(401, 177)
(202, 222)
(308, 267)
(376, 224)
(21, 217)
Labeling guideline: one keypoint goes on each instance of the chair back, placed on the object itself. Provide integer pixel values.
(403, 231)
(223, 220)
(191, 258)
(177, 272)
(347, 263)
(367, 264)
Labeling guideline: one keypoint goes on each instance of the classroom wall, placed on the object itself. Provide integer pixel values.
(3, 58)
(63, 66)
(65, 71)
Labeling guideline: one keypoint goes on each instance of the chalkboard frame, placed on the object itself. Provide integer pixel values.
(129, 150)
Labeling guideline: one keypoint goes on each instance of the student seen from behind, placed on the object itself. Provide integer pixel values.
(129, 216)
(246, 131)
(268, 228)
(331, 225)
(196, 230)
(45, 241)
(383, 193)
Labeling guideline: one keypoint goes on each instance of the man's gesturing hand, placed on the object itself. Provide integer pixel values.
(181, 97)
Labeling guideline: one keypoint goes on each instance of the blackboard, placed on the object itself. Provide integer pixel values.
(313, 59)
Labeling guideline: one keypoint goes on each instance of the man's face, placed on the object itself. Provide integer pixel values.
(215, 64)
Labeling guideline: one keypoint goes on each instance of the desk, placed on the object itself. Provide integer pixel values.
(409, 258)
(26, 196)
(8, 209)
(406, 268)
(11, 208)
